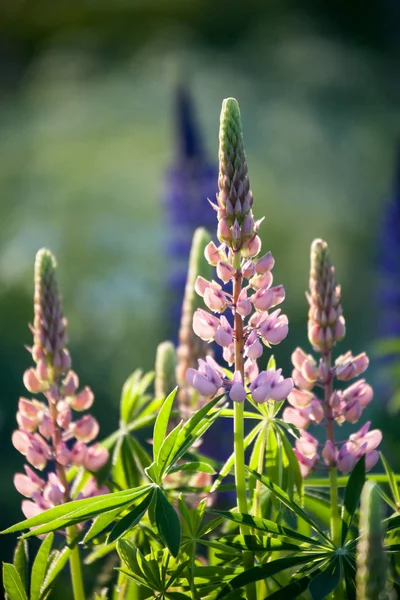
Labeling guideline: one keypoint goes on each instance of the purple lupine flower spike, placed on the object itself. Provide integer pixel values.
(190, 182)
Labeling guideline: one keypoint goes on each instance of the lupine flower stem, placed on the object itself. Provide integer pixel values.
(75, 565)
(238, 424)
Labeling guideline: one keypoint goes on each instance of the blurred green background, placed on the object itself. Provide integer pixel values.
(87, 134)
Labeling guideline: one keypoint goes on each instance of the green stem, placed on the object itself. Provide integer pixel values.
(260, 468)
(238, 422)
(75, 564)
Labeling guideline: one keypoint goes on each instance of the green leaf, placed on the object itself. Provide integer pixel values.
(293, 465)
(318, 506)
(293, 589)
(77, 511)
(168, 523)
(161, 424)
(228, 466)
(167, 449)
(132, 393)
(352, 495)
(57, 564)
(266, 570)
(392, 481)
(267, 526)
(12, 583)
(196, 467)
(21, 560)
(101, 522)
(131, 519)
(39, 566)
(326, 581)
(257, 544)
(293, 506)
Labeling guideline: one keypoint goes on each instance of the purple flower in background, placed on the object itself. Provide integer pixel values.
(189, 183)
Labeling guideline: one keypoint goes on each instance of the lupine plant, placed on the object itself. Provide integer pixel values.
(141, 504)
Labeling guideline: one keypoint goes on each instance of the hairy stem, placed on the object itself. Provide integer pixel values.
(238, 423)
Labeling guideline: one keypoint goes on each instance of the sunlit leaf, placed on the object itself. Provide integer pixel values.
(39, 567)
(161, 424)
(131, 519)
(58, 562)
(352, 495)
(21, 560)
(12, 583)
(167, 522)
(392, 481)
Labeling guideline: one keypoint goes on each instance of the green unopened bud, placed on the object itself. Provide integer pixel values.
(371, 577)
(326, 325)
(49, 323)
(165, 379)
(191, 347)
(234, 198)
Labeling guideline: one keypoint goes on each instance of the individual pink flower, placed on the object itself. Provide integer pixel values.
(360, 391)
(70, 384)
(329, 453)
(32, 382)
(78, 453)
(206, 380)
(266, 297)
(212, 254)
(265, 263)
(244, 306)
(349, 366)
(225, 271)
(275, 328)
(300, 398)
(83, 400)
(28, 484)
(270, 385)
(85, 429)
(205, 325)
(237, 392)
(224, 332)
(95, 458)
(253, 348)
(54, 491)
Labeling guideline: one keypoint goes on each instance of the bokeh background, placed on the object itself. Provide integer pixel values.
(91, 121)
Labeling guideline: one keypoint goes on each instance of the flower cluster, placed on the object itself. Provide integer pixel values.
(47, 433)
(326, 326)
(236, 260)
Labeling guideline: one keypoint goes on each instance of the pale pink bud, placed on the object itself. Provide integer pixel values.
(201, 285)
(65, 360)
(243, 306)
(248, 226)
(224, 333)
(28, 408)
(298, 358)
(41, 370)
(323, 370)
(309, 370)
(275, 328)
(30, 509)
(70, 384)
(85, 429)
(348, 366)
(300, 381)
(300, 399)
(306, 464)
(78, 453)
(225, 271)
(340, 329)
(31, 381)
(264, 299)
(204, 324)
(215, 299)
(253, 347)
(223, 230)
(21, 441)
(250, 370)
(237, 392)
(46, 427)
(352, 411)
(360, 391)
(236, 234)
(329, 454)
(26, 423)
(346, 459)
(36, 457)
(307, 444)
(252, 247)
(265, 263)
(91, 489)
(96, 457)
(315, 334)
(259, 281)
(248, 269)
(316, 411)
(83, 400)
(229, 354)
(371, 458)
(25, 486)
(298, 417)
(54, 491)
(212, 254)
(64, 414)
(63, 455)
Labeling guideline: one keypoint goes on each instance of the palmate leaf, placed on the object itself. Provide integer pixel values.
(101, 522)
(131, 519)
(269, 527)
(352, 496)
(294, 467)
(293, 506)
(268, 569)
(193, 467)
(167, 522)
(40, 566)
(76, 511)
(168, 447)
(257, 544)
(326, 581)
